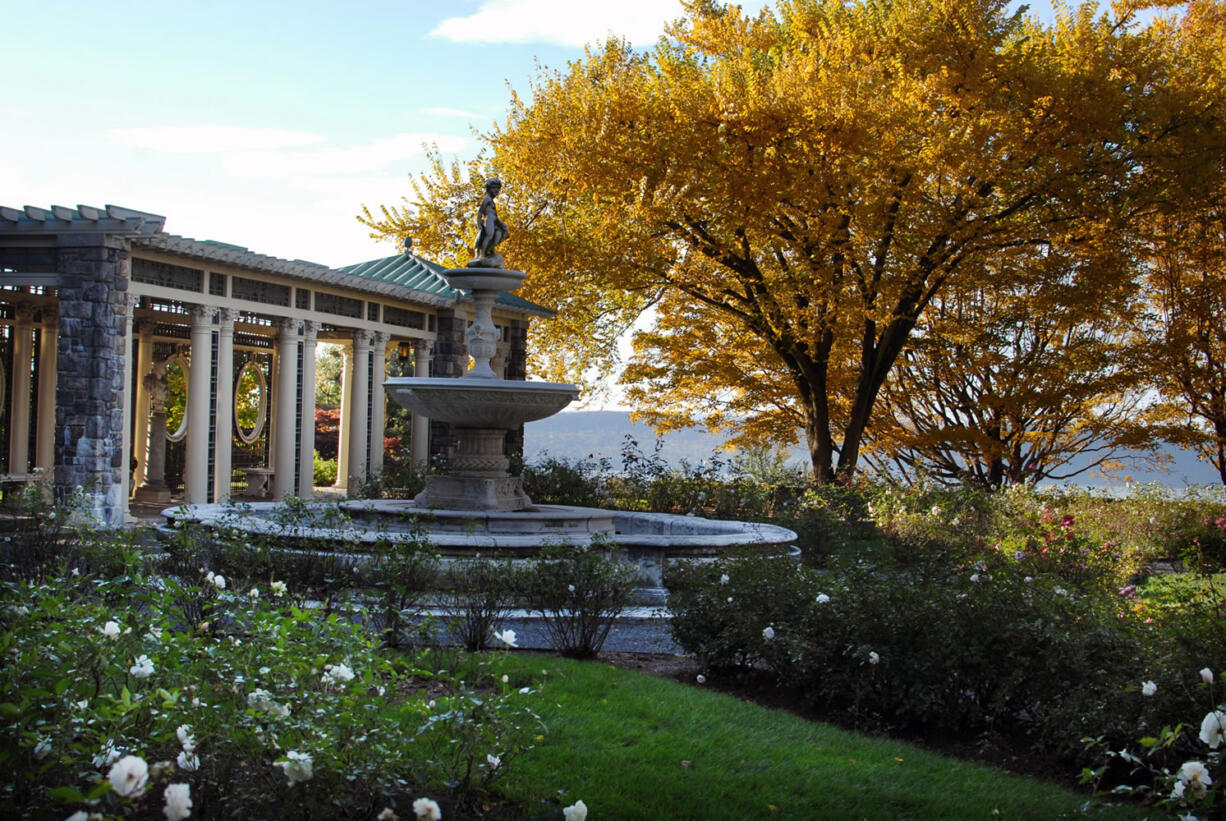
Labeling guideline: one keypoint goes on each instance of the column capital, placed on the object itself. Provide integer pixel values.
(310, 329)
(361, 339)
(23, 312)
(203, 314)
(379, 339)
(145, 329)
(227, 316)
(423, 347)
(49, 315)
(289, 325)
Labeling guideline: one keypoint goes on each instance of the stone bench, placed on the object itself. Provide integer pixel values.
(13, 485)
(259, 482)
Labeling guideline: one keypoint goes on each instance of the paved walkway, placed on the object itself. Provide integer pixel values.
(638, 630)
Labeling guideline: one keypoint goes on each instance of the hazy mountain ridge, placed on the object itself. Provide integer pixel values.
(601, 434)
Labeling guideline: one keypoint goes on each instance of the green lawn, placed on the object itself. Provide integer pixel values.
(636, 746)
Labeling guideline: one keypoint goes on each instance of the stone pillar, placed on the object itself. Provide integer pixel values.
(284, 477)
(342, 432)
(44, 443)
(360, 407)
(19, 397)
(223, 446)
(153, 489)
(419, 451)
(378, 405)
(199, 404)
(90, 356)
(306, 473)
(144, 363)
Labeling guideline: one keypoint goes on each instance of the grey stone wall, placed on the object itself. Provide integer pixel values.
(517, 368)
(93, 346)
(450, 360)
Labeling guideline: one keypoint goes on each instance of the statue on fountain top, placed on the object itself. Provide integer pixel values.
(490, 229)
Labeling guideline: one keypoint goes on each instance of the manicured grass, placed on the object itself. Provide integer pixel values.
(635, 746)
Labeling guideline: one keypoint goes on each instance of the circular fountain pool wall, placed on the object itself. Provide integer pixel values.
(650, 541)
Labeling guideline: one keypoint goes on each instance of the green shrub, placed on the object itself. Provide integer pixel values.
(480, 594)
(578, 592)
(401, 572)
(324, 471)
(720, 609)
(974, 651)
(260, 706)
(567, 482)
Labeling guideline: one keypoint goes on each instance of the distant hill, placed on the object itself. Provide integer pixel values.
(601, 434)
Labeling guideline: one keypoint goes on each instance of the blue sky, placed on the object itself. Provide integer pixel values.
(269, 125)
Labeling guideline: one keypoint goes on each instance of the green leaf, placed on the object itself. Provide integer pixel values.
(9, 710)
(67, 795)
(1148, 741)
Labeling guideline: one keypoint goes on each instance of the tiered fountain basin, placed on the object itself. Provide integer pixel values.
(650, 541)
(480, 403)
(480, 411)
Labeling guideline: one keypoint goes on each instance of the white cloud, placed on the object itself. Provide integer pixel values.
(211, 139)
(561, 22)
(455, 112)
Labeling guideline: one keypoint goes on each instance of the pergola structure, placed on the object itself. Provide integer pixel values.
(101, 311)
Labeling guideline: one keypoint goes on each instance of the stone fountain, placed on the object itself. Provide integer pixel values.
(480, 407)
(477, 507)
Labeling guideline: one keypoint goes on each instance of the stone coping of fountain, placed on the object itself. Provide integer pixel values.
(473, 402)
(676, 535)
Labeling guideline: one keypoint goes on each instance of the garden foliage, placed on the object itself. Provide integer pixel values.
(135, 684)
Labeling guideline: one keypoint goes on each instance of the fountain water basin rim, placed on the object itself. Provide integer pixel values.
(463, 531)
(480, 403)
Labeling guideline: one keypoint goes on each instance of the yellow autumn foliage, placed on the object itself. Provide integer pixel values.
(793, 190)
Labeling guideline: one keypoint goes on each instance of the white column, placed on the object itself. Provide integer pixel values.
(124, 488)
(360, 407)
(284, 477)
(223, 446)
(199, 403)
(378, 407)
(153, 486)
(144, 366)
(342, 433)
(19, 397)
(306, 475)
(419, 450)
(48, 350)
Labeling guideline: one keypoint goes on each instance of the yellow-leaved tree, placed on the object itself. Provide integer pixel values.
(1026, 375)
(795, 189)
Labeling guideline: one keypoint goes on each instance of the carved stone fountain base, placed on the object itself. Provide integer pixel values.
(482, 411)
(457, 491)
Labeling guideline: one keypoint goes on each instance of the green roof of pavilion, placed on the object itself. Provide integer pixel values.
(415, 273)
